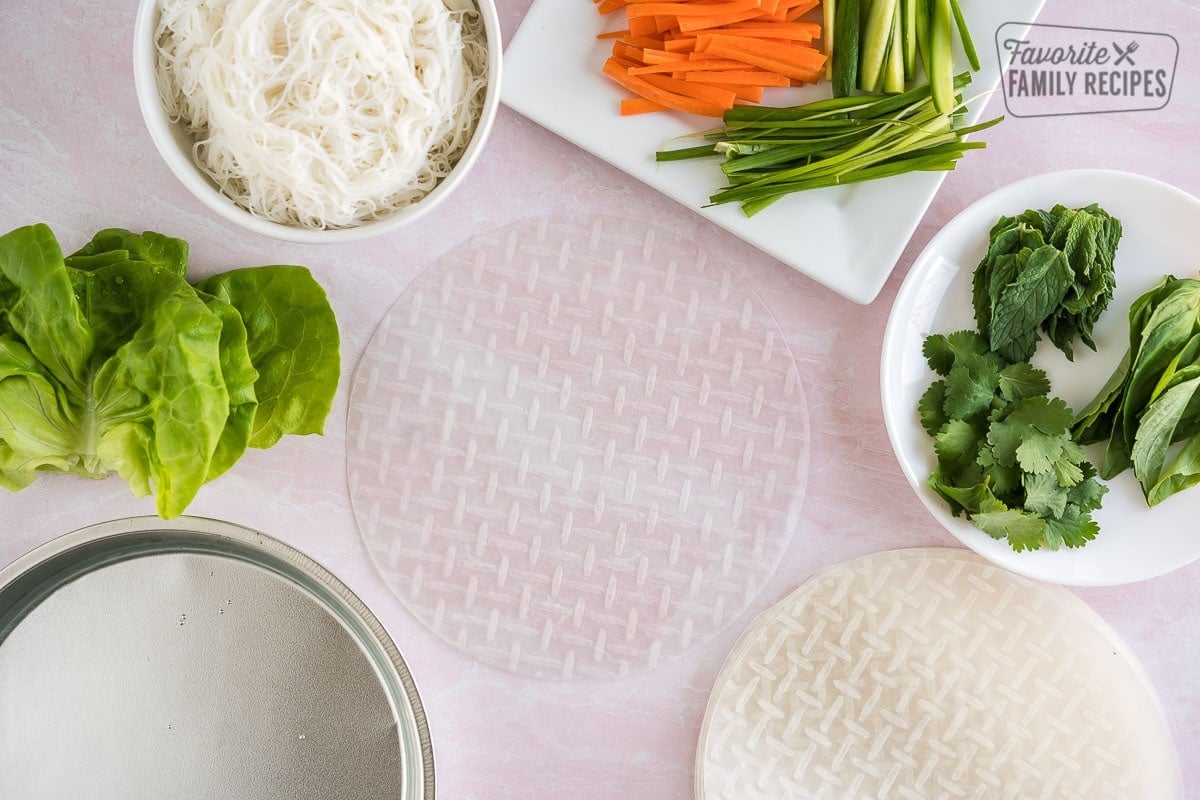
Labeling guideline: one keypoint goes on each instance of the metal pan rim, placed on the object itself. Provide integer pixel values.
(34, 576)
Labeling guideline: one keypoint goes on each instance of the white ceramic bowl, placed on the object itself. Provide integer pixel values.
(175, 145)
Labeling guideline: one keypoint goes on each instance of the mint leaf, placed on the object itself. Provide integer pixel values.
(1024, 304)
(1045, 269)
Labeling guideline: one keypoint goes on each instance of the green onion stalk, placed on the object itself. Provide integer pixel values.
(772, 152)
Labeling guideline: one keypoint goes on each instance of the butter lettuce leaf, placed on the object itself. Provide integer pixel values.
(41, 307)
(110, 361)
(160, 400)
(37, 430)
(293, 341)
(114, 245)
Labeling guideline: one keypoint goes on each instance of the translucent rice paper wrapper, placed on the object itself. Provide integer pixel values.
(930, 674)
(577, 447)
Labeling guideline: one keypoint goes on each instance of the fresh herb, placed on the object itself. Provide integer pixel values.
(1005, 456)
(773, 152)
(1048, 270)
(1152, 401)
(110, 361)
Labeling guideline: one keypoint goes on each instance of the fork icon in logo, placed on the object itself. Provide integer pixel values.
(1126, 54)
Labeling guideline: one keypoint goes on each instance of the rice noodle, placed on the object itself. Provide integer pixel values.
(323, 113)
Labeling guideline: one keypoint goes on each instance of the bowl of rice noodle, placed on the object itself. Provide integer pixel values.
(318, 121)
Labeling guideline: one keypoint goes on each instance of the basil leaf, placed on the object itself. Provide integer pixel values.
(1094, 423)
(1156, 431)
(1183, 473)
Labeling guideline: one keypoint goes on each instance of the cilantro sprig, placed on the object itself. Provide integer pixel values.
(1005, 455)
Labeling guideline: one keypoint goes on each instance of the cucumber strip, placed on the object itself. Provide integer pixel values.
(845, 48)
(921, 28)
(940, 65)
(964, 33)
(877, 38)
(893, 76)
(908, 25)
(829, 12)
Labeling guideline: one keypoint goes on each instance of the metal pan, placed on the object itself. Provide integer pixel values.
(198, 659)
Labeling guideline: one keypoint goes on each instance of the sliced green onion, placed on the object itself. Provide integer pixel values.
(772, 152)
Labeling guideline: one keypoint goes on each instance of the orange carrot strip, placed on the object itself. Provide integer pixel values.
(686, 66)
(613, 34)
(800, 9)
(642, 26)
(751, 94)
(805, 57)
(628, 52)
(666, 24)
(790, 69)
(713, 95)
(681, 44)
(643, 88)
(748, 77)
(690, 9)
(639, 105)
(693, 24)
(811, 28)
(609, 6)
(652, 56)
(644, 42)
(769, 33)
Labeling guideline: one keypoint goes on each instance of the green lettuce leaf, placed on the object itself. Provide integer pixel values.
(111, 362)
(114, 245)
(42, 308)
(240, 376)
(37, 431)
(293, 343)
(161, 400)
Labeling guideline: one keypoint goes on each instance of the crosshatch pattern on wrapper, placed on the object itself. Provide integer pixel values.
(931, 675)
(577, 447)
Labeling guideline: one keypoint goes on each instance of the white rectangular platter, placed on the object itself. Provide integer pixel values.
(847, 238)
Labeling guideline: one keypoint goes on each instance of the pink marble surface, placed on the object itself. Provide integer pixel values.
(74, 153)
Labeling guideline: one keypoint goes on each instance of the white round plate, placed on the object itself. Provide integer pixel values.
(932, 674)
(1161, 236)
